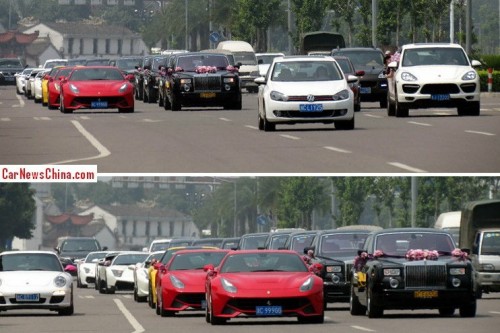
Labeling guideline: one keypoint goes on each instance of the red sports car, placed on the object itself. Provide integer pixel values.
(53, 88)
(263, 283)
(96, 87)
(182, 287)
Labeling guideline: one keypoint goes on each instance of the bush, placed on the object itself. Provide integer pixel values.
(483, 77)
(491, 61)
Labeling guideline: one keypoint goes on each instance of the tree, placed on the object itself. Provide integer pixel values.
(351, 193)
(308, 17)
(17, 208)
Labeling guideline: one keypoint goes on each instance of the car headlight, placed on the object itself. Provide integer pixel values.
(73, 88)
(333, 269)
(469, 76)
(228, 286)
(307, 285)
(60, 281)
(87, 270)
(457, 271)
(341, 95)
(117, 272)
(277, 96)
(408, 77)
(229, 80)
(123, 88)
(185, 81)
(392, 272)
(176, 282)
(487, 267)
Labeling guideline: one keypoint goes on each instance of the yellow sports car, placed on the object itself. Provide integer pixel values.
(45, 85)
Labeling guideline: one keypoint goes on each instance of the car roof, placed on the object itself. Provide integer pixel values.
(431, 45)
(28, 252)
(362, 49)
(304, 58)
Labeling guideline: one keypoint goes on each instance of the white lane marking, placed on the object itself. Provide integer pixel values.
(442, 113)
(251, 127)
(361, 328)
(5, 119)
(420, 124)
(103, 151)
(131, 319)
(85, 117)
(21, 102)
(372, 116)
(494, 312)
(496, 109)
(291, 137)
(338, 150)
(482, 133)
(41, 118)
(86, 296)
(405, 167)
(146, 120)
(127, 296)
(225, 119)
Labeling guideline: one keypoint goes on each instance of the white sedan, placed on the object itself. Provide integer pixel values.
(86, 268)
(306, 89)
(116, 275)
(21, 80)
(433, 75)
(35, 280)
(141, 276)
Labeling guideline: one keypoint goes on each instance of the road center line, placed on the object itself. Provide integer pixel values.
(372, 116)
(103, 151)
(131, 319)
(361, 328)
(251, 127)
(5, 119)
(405, 167)
(286, 136)
(417, 123)
(338, 150)
(21, 102)
(225, 119)
(482, 133)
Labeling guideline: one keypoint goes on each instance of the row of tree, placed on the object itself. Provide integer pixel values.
(265, 23)
(248, 204)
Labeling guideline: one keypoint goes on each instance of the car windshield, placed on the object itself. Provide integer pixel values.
(30, 262)
(253, 242)
(267, 58)
(160, 246)
(196, 260)
(128, 63)
(95, 255)
(278, 241)
(52, 64)
(345, 66)
(491, 243)
(190, 63)
(365, 59)
(397, 244)
(434, 56)
(245, 58)
(298, 243)
(63, 72)
(263, 262)
(79, 245)
(130, 259)
(94, 62)
(10, 63)
(341, 244)
(299, 71)
(95, 74)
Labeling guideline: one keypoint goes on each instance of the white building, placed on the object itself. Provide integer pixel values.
(34, 243)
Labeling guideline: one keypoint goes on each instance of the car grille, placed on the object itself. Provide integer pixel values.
(207, 83)
(304, 98)
(189, 298)
(440, 89)
(249, 304)
(348, 268)
(89, 100)
(425, 275)
(41, 300)
(323, 114)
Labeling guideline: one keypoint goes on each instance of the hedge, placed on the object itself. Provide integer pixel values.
(483, 76)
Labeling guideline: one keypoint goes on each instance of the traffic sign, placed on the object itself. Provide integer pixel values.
(214, 37)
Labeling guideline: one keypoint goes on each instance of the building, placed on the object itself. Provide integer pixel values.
(90, 38)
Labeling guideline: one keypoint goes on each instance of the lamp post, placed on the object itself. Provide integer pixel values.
(186, 18)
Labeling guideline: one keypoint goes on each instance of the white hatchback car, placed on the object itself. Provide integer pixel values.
(35, 280)
(433, 75)
(305, 89)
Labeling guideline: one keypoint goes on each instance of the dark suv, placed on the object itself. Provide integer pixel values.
(8, 68)
(373, 85)
(71, 248)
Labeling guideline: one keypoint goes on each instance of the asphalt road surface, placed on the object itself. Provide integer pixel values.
(197, 140)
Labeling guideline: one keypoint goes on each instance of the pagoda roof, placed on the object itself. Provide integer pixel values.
(19, 37)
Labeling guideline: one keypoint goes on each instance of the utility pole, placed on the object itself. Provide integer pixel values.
(374, 22)
(414, 197)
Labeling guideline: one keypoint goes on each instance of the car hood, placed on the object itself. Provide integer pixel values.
(93, 87)
(267, 280)
(311, 88)
(30, 278)
(437, 73)
(371, 70)
(195, 277)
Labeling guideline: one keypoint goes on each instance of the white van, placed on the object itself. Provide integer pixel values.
(244, 55)
(449, 221)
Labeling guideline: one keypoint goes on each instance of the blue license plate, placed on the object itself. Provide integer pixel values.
(27, 297)
(365, 90)
(440, 97)
(99, 104)
(268, 310)
(311, 107)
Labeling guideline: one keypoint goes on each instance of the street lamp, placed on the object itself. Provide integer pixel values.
(186, 17)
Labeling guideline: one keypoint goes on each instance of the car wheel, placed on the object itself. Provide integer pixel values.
(355, 306)
(400, 110)
(469, 109)
(126, 110)
(214, 320)
(151, 95)
(468, 310)
(446, 312)
(357, 107)
(207, 314)
(163, 312)
(383, 103)
(268, 127)
(391, 109)
(166, 102)
(69, 310)
(261, 122)
(372, 310)
(176, 105)
(345, 125)
(150, 297)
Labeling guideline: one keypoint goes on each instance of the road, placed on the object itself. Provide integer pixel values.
(153, 140)
(99, 313)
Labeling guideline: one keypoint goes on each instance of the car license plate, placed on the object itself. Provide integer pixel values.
(27, 297)
(311, 107)
(440, 97)
(425, 294)
(365, 90)
(268, 311)
(207, 95)
(99, 104)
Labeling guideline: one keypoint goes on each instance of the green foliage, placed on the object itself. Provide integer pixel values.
(491, 61)
(17, 208)
(483, 77)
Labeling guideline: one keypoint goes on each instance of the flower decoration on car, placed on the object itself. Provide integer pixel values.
(460, 254)
(418, 254)
(378, 254)
(179, 69)
(232, 69)
(360, 261)
(205, 69)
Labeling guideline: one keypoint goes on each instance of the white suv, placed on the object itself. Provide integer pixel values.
(433, 75)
